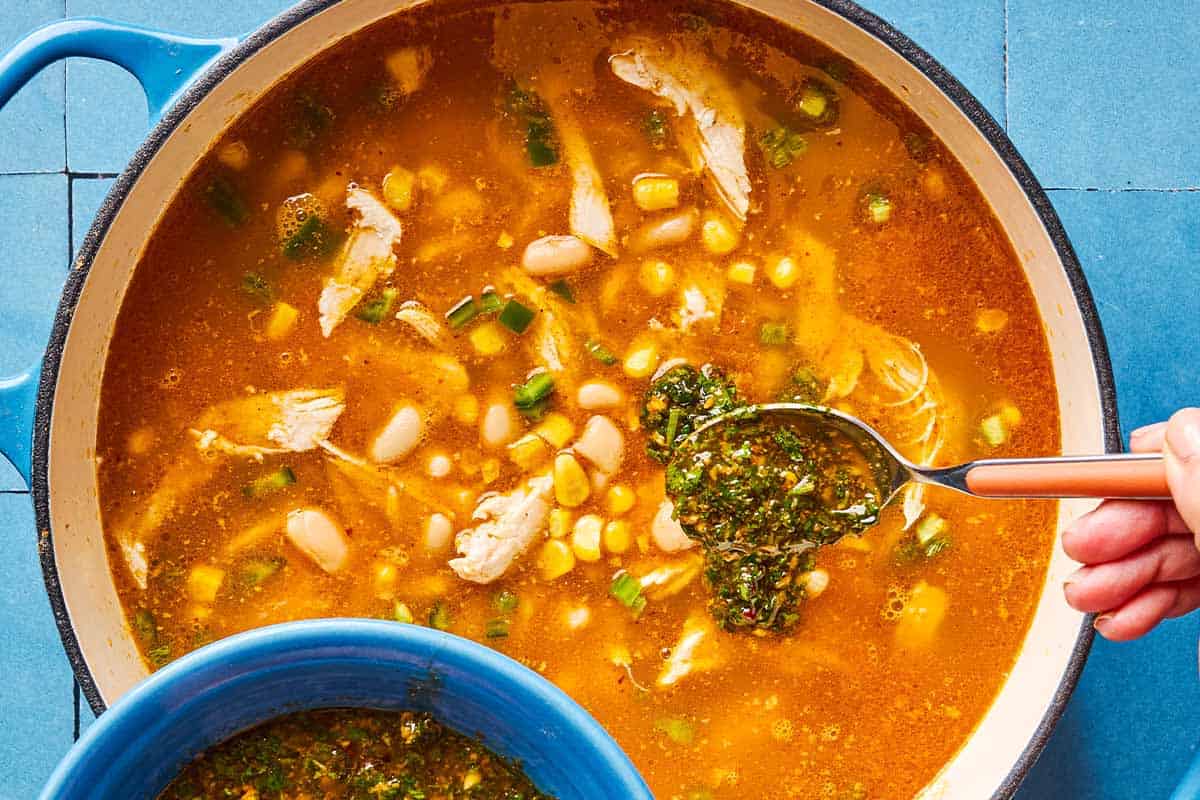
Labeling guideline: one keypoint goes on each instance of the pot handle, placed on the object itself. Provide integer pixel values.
(164, 64)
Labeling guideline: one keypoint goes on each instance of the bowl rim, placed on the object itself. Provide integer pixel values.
(214, 670)
(279, 25)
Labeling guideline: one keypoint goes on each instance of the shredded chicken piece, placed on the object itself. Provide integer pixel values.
(381, 486)
(254, 426)
(507, 525)
(408, 67)
(679, 72)
(671, 578)
(368, 255)
(422, 320)
(590, 217)
(696, 651)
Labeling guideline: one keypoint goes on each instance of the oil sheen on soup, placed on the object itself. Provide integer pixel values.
(399, 346)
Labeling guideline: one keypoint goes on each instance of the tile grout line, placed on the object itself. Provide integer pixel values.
(1005, 65)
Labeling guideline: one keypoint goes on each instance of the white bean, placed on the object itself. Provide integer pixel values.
(602, 443)
(816, 582)
(665, 232)
(596, 395)
(319, 537)
(556, 255)
(438, 530)
(399, 436)
(497, 427)
(667, 532)
(439, 466)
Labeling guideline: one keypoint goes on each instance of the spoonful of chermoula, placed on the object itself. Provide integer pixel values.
(819, 474)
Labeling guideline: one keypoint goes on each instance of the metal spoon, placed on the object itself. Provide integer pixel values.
(1134, 476)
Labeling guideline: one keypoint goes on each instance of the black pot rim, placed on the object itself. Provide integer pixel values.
(284, 22)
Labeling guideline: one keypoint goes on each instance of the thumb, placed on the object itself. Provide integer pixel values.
(1182, 454)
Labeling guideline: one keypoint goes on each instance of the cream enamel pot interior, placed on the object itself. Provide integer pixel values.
(83, 596)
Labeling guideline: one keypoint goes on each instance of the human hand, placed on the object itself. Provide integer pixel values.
(1142, 558)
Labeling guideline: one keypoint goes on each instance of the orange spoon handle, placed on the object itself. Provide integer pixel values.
(1128, 476)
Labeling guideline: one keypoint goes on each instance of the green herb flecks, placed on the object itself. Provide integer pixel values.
(256, 287)
(679, 401)
(225, 199)
(310, 118)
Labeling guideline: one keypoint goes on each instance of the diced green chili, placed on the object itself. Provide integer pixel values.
(781, 146)
(223, 197)
(496, 628)
(879, 208)
(533, 391)
(506, 602)
(255, 287)
(145, 626)
(159, 654)
(628, 592)
(677, 730)
(563, 289)
(527, 107)
(490, 302)
(256, 570)
(439, 615)
(312, 239)
(816, 103)
(774, 333)
(310, 118)
(402, 613)
(516, 317)
(270, 482)
(462, 313)
(374, 311)
(600, 352)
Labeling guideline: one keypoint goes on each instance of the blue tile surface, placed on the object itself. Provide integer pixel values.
(1064, 78)
(31, 126)
(966, 37)
(38, 717)
(1102, 94)
(33, 231)
(103, 97)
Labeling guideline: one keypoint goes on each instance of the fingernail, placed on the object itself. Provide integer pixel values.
(1142, 431)
(1101, 621)
(1183, 434)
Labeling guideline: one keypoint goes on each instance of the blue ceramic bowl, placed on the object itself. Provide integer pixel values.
(142, 742)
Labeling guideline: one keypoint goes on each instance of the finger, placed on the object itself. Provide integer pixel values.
(1156, 603)
(1105, 586)
(1116, 528)
(1182, 454)
(1148, 439)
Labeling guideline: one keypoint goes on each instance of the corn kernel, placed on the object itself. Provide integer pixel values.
(617, 536)
(991, 320)
(466, 409)
(556, 430)
(620, 499)
(487, 339)
(719, 235)
(641, 360)
(489, 470)
(398, 188)
(556, 559)
(234, 155)
(585, 537)
(655, 192)
(384, 580)
(204, 582)
(292, 166)
(1011, 415)
(505, 240)
(742, 272)
(656, 277)
(472, 779)
(282, 321)
(783, 272)
(432, 178)
(528, 452)
(560, 523)
(571, 485)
